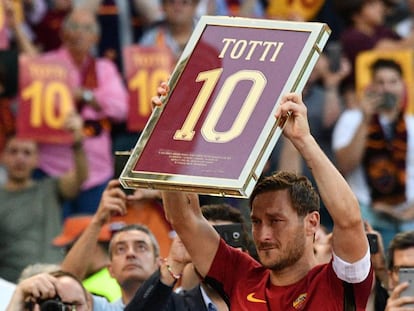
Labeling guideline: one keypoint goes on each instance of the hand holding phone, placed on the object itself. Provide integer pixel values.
(407, 275)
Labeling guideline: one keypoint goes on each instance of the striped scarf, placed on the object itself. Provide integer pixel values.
(384, 161)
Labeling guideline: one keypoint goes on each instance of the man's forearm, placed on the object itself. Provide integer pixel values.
(198, 236)
(81, 162)
(76, 261)
(70, 183)
(333, 188)
(350, 157)
(17, 301)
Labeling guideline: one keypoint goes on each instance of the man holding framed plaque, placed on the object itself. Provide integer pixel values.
(285, 217)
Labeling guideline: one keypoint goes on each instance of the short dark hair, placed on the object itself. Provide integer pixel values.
(136, 227)
(304, 197)
(347, 9)
(222, 211)
(401, 241)
(385, 63)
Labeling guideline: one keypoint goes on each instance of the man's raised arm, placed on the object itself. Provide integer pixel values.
(199, 237)
(337, 196)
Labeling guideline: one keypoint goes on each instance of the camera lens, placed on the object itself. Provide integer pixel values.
(52, 305)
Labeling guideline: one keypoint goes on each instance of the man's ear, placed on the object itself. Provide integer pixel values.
(158, 261)
(110, 270)
(312, 222)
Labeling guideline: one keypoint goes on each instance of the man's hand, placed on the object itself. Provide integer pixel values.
(293, 108)
(40, 286)
(178, 253)
(396, 303)
(162, 90)
(178, 258)
(113, 203)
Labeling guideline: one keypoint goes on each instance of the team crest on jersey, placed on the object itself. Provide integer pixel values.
(299, 302)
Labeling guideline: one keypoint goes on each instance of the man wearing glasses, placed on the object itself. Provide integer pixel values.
(400, 257)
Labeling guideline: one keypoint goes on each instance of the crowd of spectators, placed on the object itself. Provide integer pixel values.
(47, 188)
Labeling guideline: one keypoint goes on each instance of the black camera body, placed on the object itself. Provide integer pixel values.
(373, 243)
(232, 234)
(388, 101)
(50, 304)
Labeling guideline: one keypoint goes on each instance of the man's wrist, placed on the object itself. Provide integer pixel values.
(171, 271)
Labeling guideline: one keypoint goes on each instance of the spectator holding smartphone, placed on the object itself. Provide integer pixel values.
(400, 255)
(374, 151)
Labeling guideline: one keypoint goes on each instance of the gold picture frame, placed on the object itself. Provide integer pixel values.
(216, 128)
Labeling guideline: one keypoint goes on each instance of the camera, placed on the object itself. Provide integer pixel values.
(388, 101)
(334, 54)
(51, 304)
(232, 234)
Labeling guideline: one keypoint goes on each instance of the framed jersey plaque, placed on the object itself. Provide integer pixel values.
(217, 129)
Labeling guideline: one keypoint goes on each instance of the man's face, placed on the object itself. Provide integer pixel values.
(373, 12)
(133, 258)
(179, 12)
(278, 231)
(402, 258)
(80, 34)
(71, 293)
(388, 80)
(20, 158)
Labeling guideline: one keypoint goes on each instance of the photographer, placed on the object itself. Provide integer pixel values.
(373, 148)
(57, 290)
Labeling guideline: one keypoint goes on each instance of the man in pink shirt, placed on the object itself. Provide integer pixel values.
(101, 99)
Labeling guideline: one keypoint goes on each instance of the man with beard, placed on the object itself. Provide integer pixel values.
(285, 218)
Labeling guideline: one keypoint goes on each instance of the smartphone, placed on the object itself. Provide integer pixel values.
(120, 160)
(232, 234)
(388, 101)
(373, 242)
(334, 53)
(407, 275)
